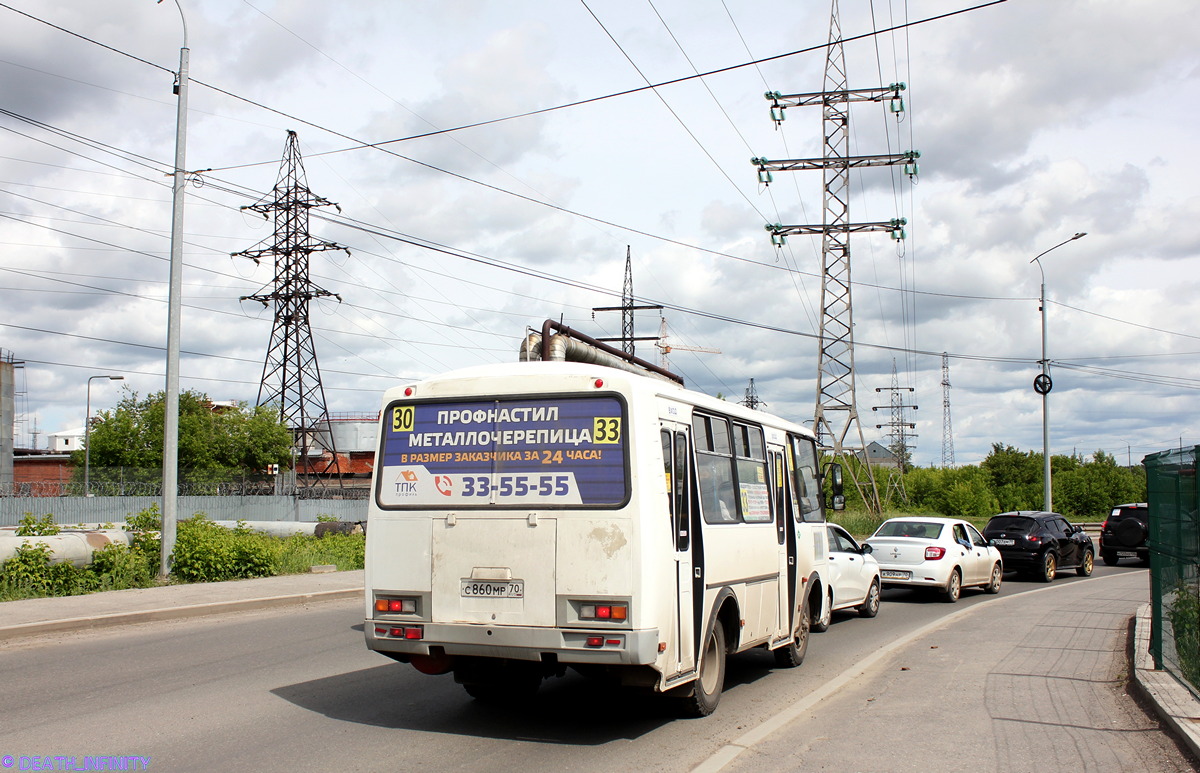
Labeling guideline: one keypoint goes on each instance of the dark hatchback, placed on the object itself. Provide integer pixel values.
(1040, 544)
(1124, 533)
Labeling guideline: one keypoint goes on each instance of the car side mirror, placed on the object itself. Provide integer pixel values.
(866, 549)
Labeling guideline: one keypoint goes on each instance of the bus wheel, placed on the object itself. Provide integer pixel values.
(792, 654)
(706, 690)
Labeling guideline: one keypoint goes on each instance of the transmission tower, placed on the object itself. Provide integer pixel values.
(947, 432)
(291, 377)
(626, 308)
(752, 400)
(898, 431)
(836, 417)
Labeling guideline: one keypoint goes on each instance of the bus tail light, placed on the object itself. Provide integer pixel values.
(615, 612)
(396, 606)
(405, 632)
(933, 553)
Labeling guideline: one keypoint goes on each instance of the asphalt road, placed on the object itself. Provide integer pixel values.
(295, 689)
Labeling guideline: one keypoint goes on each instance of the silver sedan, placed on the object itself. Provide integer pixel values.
(945, 554)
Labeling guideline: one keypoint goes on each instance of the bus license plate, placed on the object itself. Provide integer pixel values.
(893, 574)
(493, 589)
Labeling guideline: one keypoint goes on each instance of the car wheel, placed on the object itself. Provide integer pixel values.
(1049, 567)
(792, 654)
(953, 587)
(821, 624)
(870, 606)
(1110, 559)
(1085, 568)
(993, 585)
(706, 690)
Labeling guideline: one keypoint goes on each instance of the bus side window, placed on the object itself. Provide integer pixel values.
(714, 469)
(779, 479)
(668, 467)
(681, 478)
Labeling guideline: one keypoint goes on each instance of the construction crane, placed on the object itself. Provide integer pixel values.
(665, 349)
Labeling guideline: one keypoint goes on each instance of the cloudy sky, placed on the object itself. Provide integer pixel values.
(524, 154)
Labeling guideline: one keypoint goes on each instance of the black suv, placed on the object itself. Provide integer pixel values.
(1040, 543)
(1124, 534)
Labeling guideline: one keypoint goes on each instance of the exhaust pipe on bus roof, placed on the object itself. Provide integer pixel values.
(572, 346)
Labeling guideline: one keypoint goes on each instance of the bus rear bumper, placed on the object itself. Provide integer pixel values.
(567, 645)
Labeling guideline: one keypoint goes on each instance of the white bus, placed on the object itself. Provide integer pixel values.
(535, 516)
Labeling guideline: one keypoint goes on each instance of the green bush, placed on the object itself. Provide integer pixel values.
(117, 567)
(206, 552)
(30, 574)
(37, 527)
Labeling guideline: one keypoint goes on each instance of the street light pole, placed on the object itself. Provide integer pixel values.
(1043, 384)
(170, 488)
(87, 434)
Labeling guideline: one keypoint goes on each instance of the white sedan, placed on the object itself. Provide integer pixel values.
(946, 554)
(854, 581)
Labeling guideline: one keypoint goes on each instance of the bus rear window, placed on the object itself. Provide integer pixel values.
(546, 452)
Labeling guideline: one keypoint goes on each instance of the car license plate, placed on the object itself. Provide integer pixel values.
(493, 589)
(1127, 553)
(1003, 542)
(893, 574)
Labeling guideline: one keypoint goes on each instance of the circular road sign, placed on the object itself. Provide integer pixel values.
(1043, 384)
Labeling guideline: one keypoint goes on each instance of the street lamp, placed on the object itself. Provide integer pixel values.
(1043, 384)
(87, 433)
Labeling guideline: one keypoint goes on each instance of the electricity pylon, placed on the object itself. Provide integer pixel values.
(626, 308)
(898, 431)
(947, 432)
(836, 418)
(291, 377)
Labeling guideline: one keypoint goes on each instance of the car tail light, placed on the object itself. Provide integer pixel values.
(933, 553)
(1033, 538)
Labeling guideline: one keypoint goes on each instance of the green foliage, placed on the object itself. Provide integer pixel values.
(303, 551)
(117, 567)
(30, 574)
(1185, 623)
(37, 527)
(1089, 490)
(206, 552)
(326, 518)
(213, 444)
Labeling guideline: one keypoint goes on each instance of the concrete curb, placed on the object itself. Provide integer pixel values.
(171, 613)
(1174, 703)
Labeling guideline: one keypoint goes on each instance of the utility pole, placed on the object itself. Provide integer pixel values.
(291, 378)
(947, 431)
(626, 308)
(836, 418)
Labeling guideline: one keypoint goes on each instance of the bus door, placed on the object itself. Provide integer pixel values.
(681, 648)
(785, 533)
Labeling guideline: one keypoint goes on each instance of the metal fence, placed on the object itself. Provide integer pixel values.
(1174, 543)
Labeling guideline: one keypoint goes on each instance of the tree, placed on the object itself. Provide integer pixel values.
(214, 442)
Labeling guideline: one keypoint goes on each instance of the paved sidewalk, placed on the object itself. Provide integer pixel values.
(1035, 681)
(35, 616)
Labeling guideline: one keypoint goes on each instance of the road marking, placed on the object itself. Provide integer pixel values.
(730, 751)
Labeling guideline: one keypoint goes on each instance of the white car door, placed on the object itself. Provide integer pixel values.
(982, 554)
(849, 577)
